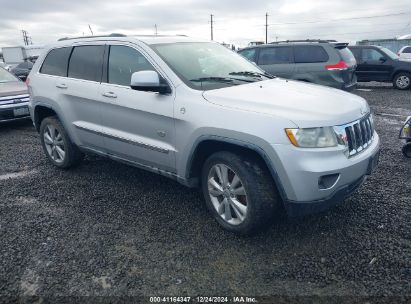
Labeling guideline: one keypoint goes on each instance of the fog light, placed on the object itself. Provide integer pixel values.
(328, 181)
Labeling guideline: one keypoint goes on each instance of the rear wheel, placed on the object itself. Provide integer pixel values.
(57, 145)
(402, 81)
(239, 192)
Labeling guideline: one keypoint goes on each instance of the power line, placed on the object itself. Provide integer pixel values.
(339, 19)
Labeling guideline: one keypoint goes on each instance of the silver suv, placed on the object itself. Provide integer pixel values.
(203, 115)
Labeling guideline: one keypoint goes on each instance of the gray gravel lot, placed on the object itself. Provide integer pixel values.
(107, 229)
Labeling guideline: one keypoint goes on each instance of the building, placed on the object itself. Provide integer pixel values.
(394, 44)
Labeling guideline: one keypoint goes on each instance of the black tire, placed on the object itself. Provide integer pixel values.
(263, 200)
(406, 150)
(73, 155)
(402, 85)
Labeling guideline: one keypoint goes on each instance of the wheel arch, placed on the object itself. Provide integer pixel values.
(40, 112)
(208, 145)
(396, 72)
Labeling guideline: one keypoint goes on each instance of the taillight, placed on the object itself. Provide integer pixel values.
(27, 81)
(339, 66)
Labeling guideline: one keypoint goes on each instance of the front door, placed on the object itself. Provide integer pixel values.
(374, 66)
(137, 126)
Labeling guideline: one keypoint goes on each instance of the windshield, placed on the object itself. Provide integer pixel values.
(389, 53)
(6, 76)
(207, 65)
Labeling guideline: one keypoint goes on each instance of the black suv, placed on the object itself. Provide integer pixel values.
(375, 63)
(324, 62)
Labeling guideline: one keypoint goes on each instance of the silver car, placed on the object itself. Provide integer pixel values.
(203, 115)
(14, 97)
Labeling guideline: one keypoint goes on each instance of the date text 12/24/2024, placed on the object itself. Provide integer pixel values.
(201, 299)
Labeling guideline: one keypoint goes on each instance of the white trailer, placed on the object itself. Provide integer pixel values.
(14, 55)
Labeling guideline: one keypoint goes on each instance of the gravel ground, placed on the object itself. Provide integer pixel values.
(106, 229)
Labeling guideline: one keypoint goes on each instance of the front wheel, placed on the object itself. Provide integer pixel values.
(239, 192)
(406, 150)
(402, 81)
(57, 145)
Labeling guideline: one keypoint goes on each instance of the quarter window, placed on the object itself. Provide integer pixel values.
(56, 62)
(310, 54)
(86, 62)
(123, 62)
(274, 55)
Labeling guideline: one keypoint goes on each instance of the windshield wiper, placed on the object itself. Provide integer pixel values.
(252, 74)
(216, 79)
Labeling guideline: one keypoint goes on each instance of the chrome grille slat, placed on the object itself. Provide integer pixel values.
(360, 134)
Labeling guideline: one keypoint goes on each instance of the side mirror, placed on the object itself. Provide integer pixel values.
(383, 59)
(148, 81)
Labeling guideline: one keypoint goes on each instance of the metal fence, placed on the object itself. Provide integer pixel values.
(392, 44)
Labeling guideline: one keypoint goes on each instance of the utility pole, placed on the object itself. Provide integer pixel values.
(212, 29)
(266, 28)
(155, 26)
(25, 37)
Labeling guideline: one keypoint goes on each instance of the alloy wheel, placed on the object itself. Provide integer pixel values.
(403, 82)
(53, 140)
(227, 194)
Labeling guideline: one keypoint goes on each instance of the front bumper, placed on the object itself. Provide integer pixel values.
(14, 112)
(304, 169)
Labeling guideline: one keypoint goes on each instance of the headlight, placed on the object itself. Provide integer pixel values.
(313, 137)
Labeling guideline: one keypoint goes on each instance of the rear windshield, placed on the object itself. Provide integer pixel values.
(347, 56)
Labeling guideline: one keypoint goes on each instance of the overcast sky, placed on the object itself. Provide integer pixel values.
(236, 21)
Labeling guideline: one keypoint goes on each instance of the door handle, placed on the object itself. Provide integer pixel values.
(110, 95)
(61, 86)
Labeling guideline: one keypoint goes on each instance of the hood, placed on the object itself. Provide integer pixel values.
(12, 88)
(307, 105)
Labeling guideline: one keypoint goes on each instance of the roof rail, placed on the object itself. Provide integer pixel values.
(86, 37)
(306, 40)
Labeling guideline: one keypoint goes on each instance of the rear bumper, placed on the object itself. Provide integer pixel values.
(8, 113)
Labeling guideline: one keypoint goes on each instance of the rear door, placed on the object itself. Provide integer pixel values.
(374, 65)
(277, 60)
(138, 126)
(78, 94)
(310, 61)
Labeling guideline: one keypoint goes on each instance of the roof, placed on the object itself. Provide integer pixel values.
(148, 39)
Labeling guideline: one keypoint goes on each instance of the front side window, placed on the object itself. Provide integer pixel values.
(248, 54)
(310, 54)
(123, 62)
(56, 62)
(86, 62)
(208, 65)
(389, 53)
(274, 55)
(371, 55)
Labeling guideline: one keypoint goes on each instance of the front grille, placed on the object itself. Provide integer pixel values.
(16, 99)
(360, 134)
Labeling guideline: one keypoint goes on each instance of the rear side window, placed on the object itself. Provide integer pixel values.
(309, 54)
(56, 62)
(407, 50)
(124, 61)
(274, 55)
(248, 54)
(86, 62)
(347, 56)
